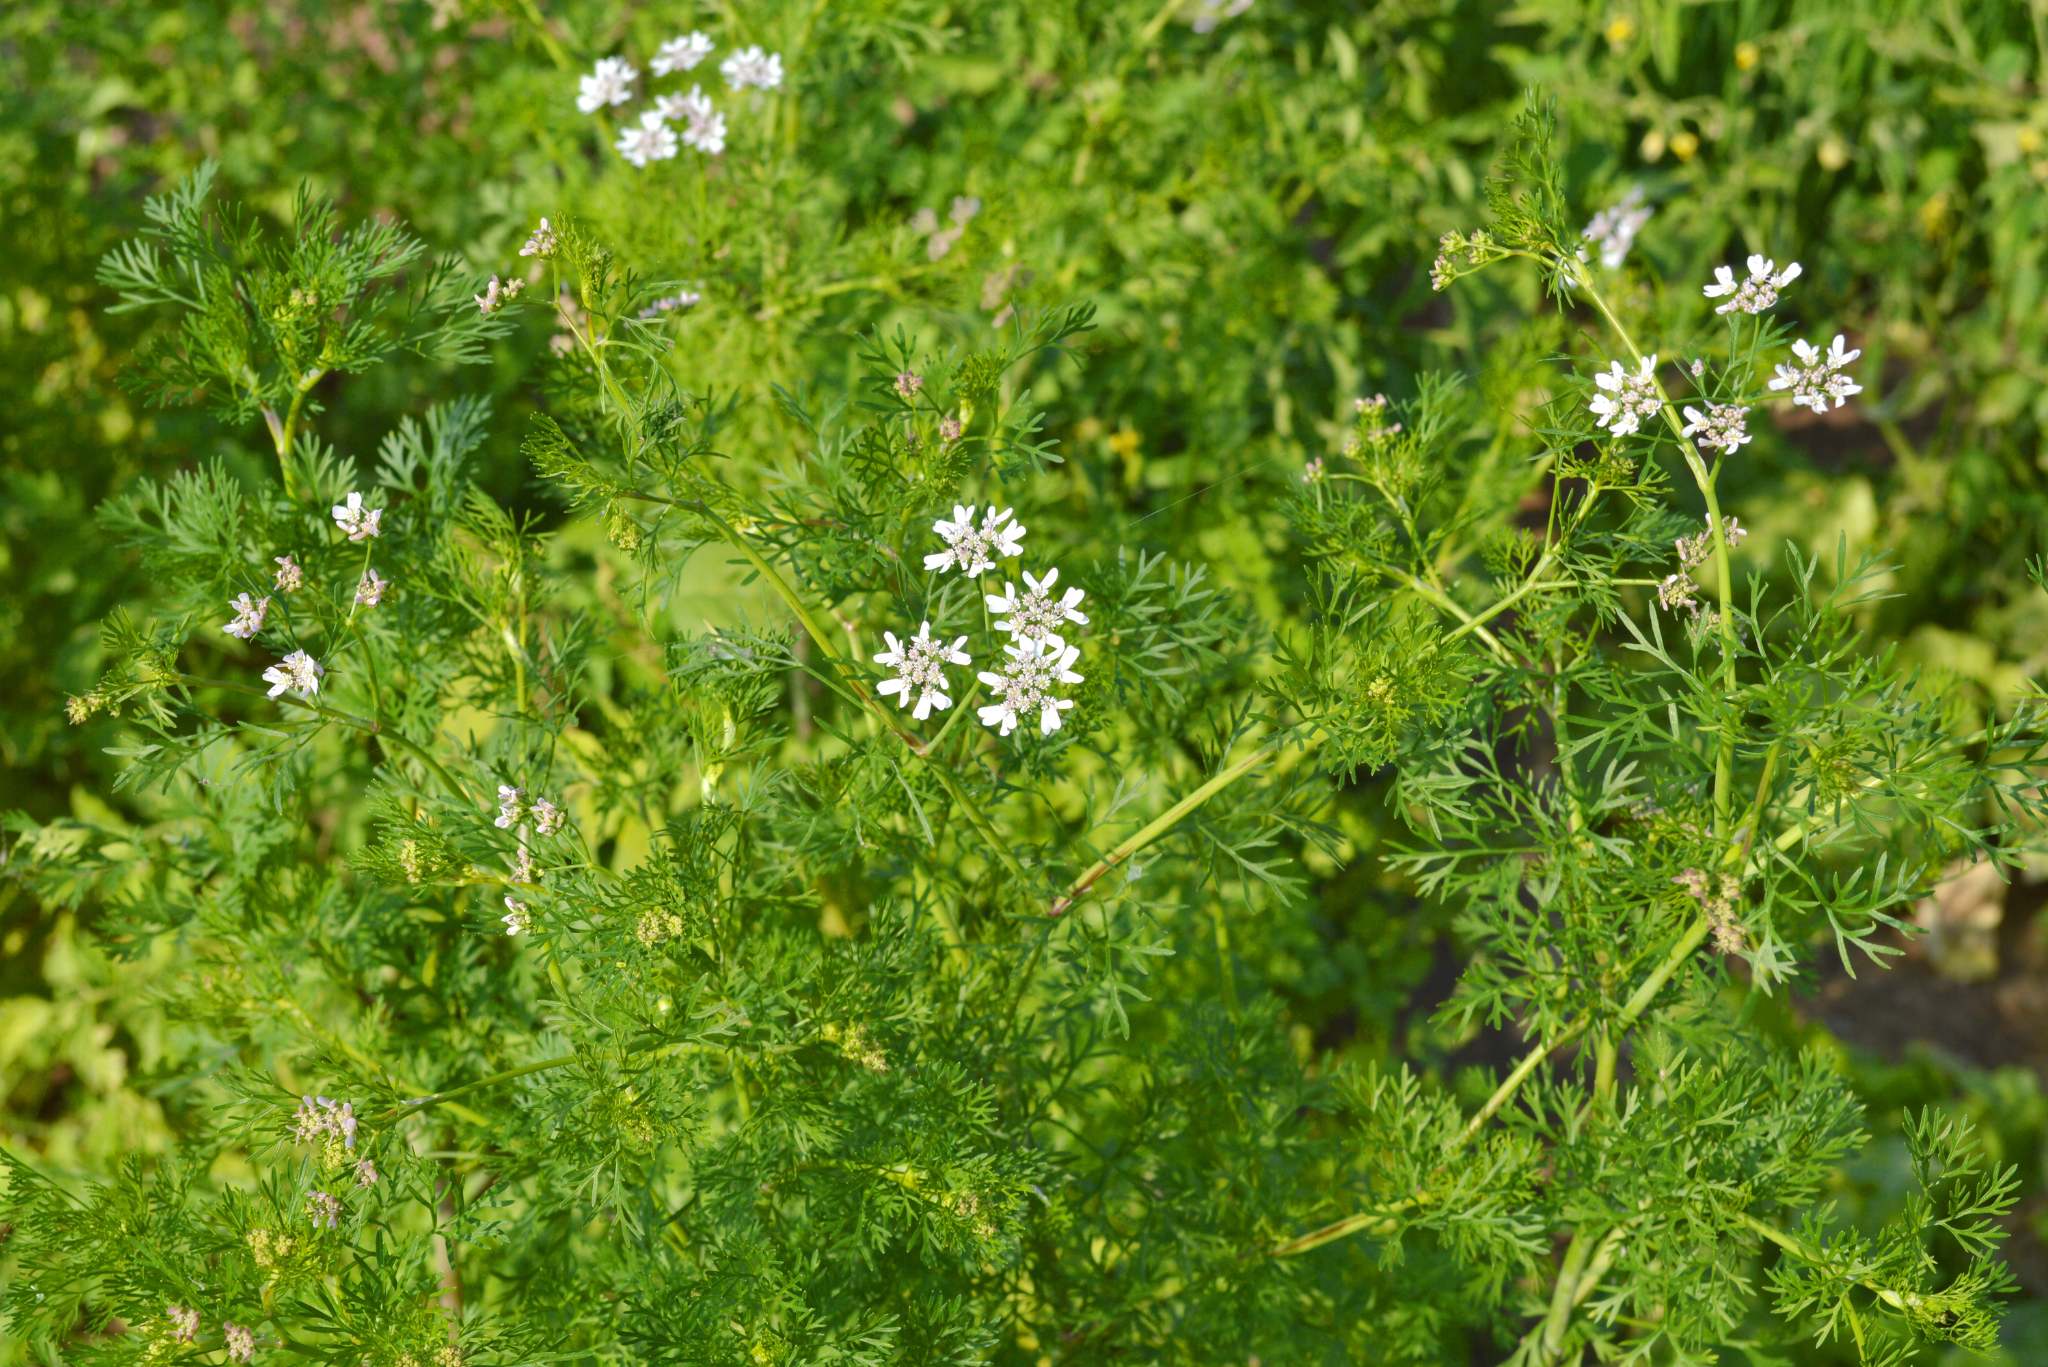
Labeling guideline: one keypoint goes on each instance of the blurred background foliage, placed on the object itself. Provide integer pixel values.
(1252, 208)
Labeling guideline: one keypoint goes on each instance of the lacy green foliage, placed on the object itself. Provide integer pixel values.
(831, 1035)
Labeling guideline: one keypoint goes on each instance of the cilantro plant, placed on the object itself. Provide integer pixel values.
(859, 977)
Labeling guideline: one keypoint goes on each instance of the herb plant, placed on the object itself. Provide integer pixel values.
(867, 974)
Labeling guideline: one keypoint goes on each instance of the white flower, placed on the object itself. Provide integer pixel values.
(1818, 378)
(547, 817)
(297, 673)
(359, 522)
(366, 1173)
(184, 1322)
(706, 126)
(680, 54)
(511, 804)
(1755, 294)
(920, 665)
(542, 243)
(965, 207)
(1205, 15)
(653, 140)
(320, 1117)
(370, 590)
(1613, 230)
(516, 920)
(974, 549)
(323, 1209)
(248, 617)
(497, 294)
(1024, 688)
(609, 82)
(1677, 591)
(240, 1343)
(752, 66)
(687, 299)
(1627, 399)
(1034, 613)
(1721, 427)
(289, 575)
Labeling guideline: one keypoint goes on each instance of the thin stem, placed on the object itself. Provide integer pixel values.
(1568, 1275)
(1165, 822)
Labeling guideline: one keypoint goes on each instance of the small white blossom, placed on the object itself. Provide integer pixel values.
(963, 210)
(1313, 471)
(1035, 614)
(248, 617)
(651, 140)
(1677, 592)
(750, 66)
(974, 549)
(370, 589)
(359, 522)
(706, 126)
(685, 300)
(1755, 294)
(920, 665)
(323, 1209)
(1205, 15)
(297, 673)
(366, 1173)
(184, 1322)
(289, 575)
(609, 82)
(1025, 687)
(542, 243)
(241, 1344)
(322, 1117)
(680, 54)
(547, 817)
(1721, 427)
(908, 382)
(949, 432)
(511, 806)
(1817, 378)
(523, 870)
(499, 293)
(515, 918)
(1626, 398)
(1733, 532)
(1613, 230)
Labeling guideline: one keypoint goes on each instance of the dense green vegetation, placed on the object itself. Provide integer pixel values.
(1521, 878)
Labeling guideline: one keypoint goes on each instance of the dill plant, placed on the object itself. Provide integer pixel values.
(561, 981)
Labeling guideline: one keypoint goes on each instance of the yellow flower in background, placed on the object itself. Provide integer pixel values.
(1124, 442)
(1747, 55)
(1620, 29)
(1833, 153)
(1652, 146)
(1685, 144)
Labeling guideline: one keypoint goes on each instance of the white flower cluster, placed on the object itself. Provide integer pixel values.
(1679, 590)
(1817, 379)
(939, 241)
(1626, 399)
(1039, 662)
(1754, 294)
(513, 808)
(320, 1118)
(1723, 426)
(299, 673)
(359, 522)
(652, 137)
(1613, 230)
(248, 617)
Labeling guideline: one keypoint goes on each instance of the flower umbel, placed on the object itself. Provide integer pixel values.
(651, 140)
(248, 617)
(370, 589)
(1816, 381)
(1025, 687)
(609, 82)
(974, 549)
(1613, 230)
(1754, 294)
(920, 668)
(1035, 614)
(1720, 427)
(680, 54)
(542, 243)
(297, 673)
(352, 517)
(1626, 398)
(750, 66)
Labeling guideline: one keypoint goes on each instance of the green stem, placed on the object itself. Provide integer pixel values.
(1166, 821)
(1568, 1275)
